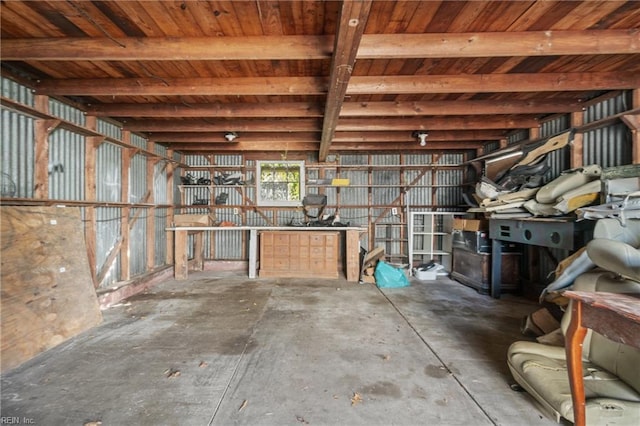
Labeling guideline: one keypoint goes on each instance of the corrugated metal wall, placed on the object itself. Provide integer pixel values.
(372, 191)
(16, 149)
(66, 165)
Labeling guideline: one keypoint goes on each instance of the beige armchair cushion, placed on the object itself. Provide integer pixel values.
(611, 370)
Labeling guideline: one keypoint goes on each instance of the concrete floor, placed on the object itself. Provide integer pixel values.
(220, 349)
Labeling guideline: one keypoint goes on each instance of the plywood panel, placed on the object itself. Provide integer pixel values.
(47, 290)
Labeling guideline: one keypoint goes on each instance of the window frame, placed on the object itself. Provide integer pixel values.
(260, 201)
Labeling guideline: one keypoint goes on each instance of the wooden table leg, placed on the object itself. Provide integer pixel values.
(575, 337)
(352, 254)
(253, 252)
(180, 256)
(198, 254)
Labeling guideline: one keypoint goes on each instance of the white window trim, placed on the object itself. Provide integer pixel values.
(279, 203)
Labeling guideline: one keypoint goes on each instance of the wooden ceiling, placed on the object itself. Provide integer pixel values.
(323, 76)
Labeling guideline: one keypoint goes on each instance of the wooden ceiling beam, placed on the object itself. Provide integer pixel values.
(293, 125)
(295, 47)
(344, 125)
(493, 83)
(234, 86)
(289, 47)
(245, 146)
(499, 44)
(466, 107)
(349, 109)
(405, 136)
(310, 146)
(351, 23)
(283, 109)
(339, 137)
(402, 84)
(436, 123)
(218, 137)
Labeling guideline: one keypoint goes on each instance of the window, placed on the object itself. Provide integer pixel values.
(280, 183)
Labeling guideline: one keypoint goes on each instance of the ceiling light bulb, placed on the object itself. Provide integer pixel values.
(230, 136)
(423, 138)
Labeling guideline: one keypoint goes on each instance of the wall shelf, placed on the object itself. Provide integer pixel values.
(430, 238)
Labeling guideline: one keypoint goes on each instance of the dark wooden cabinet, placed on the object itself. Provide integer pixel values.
(474, 270)
(299, 254)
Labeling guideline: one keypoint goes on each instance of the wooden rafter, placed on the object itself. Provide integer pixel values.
(295, 47)
(349, 109)
(345, 124)
(302, 137)
(381, 84)
(351, 24)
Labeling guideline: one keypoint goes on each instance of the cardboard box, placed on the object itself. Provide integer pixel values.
(471, 224)
(458, 223)
(191, 220)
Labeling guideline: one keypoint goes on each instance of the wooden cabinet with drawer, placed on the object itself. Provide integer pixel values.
(299, 254)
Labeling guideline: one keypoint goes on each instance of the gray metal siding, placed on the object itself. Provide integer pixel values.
(108, 231)
(16, 91)
(66, 165)
(137, 241)
(108, 173)
(66, 112)
(160, 238)
(609, 146)
(17, 153)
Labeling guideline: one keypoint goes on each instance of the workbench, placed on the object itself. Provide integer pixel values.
(181, 234)
(560, 233)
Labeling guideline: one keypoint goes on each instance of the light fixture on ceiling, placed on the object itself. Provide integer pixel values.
(230, 136)
(422, 137)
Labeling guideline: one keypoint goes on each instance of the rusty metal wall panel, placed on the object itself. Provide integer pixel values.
(108, 232)
(17, 159)
(66, 165)
(66, 112)
(108, 172)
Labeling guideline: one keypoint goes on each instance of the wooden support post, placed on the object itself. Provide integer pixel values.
(43, 129)
(633, 121)
(534, 133)
(151, 212)
(90, 227)
(576, 148)
(181, 260)
(198, 253)
(125, 252)
(170, 211)
(352, 255)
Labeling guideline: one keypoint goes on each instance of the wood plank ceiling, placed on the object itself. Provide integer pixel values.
(323, 76)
